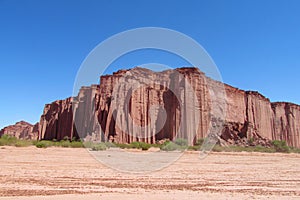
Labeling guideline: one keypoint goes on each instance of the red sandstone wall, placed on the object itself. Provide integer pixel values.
(248, 114)
(57, 120)
(21, 130)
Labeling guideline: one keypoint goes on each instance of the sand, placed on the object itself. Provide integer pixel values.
(67, 173)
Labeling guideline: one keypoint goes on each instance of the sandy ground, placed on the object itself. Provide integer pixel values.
(65, 173)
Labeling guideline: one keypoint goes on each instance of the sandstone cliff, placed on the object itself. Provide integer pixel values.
(126, 107)
(22, 130)
(57, 121)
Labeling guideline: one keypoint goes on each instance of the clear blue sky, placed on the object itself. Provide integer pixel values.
(255, 44)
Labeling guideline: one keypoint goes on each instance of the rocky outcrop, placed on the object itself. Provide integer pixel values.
(286, 124)
(140, 105)
(57, 121)
(85, 113)
(252, 116)
(21, 130)
(181, 103)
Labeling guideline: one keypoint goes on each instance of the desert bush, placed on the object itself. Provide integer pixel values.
(144, 146)
(99, 147)
(156, 145)
(235, 149)
(280, 146)
(181, 142)
(139, 145)
(294, 150)
(64, 143)
(263, 149)
(110, 144)
(23, 143)
(88, 144)
(134, 145)
(218, 148)
(171, 146)
(7, 140)
(199, 142)
(258, 148)
(43, 144)
(76, 144)
(123, 146)
(66, 138)
(194, 148)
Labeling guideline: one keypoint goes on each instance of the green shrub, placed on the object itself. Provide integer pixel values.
(65, 143)
(156, 145)
(23, 143)
(8, 140)
(134, 145)
(194, 148)
(99, 147)
(260, 148)
(88, 144)
(123, 146)
(110, 144)
(218, 148)
(76, 144)
(66, 138)
(144, 146)
(181, 142)
(170, 146)
(235, 149)
(280, 146)
(294, 150)
(40, 145)
(139, 145)
(199, 142)
(43, 144)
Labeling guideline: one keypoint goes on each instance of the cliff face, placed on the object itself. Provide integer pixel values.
(127, 107)
(286, 123)
(84, 109)
(21, 130)
(140, 105)
(57, 121)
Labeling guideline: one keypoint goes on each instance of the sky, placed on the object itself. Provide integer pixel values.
(254, 43)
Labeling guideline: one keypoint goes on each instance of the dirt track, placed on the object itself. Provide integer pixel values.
(62, 173)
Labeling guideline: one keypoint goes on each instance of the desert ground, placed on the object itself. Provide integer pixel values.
(68, 173)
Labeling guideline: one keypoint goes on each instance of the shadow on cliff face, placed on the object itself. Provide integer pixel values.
(172, 108)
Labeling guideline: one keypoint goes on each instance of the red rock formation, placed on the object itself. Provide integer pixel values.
(57, 121)
(286, 123)
(84, 109)
(124, 110)
(140, 105)
(21, 130)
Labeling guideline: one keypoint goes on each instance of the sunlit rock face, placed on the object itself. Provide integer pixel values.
(142, 105)
(22, 130)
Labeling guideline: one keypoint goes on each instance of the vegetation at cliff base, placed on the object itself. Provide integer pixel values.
(176, 145)
(276, 146)
(62, 143)
(7, 140)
